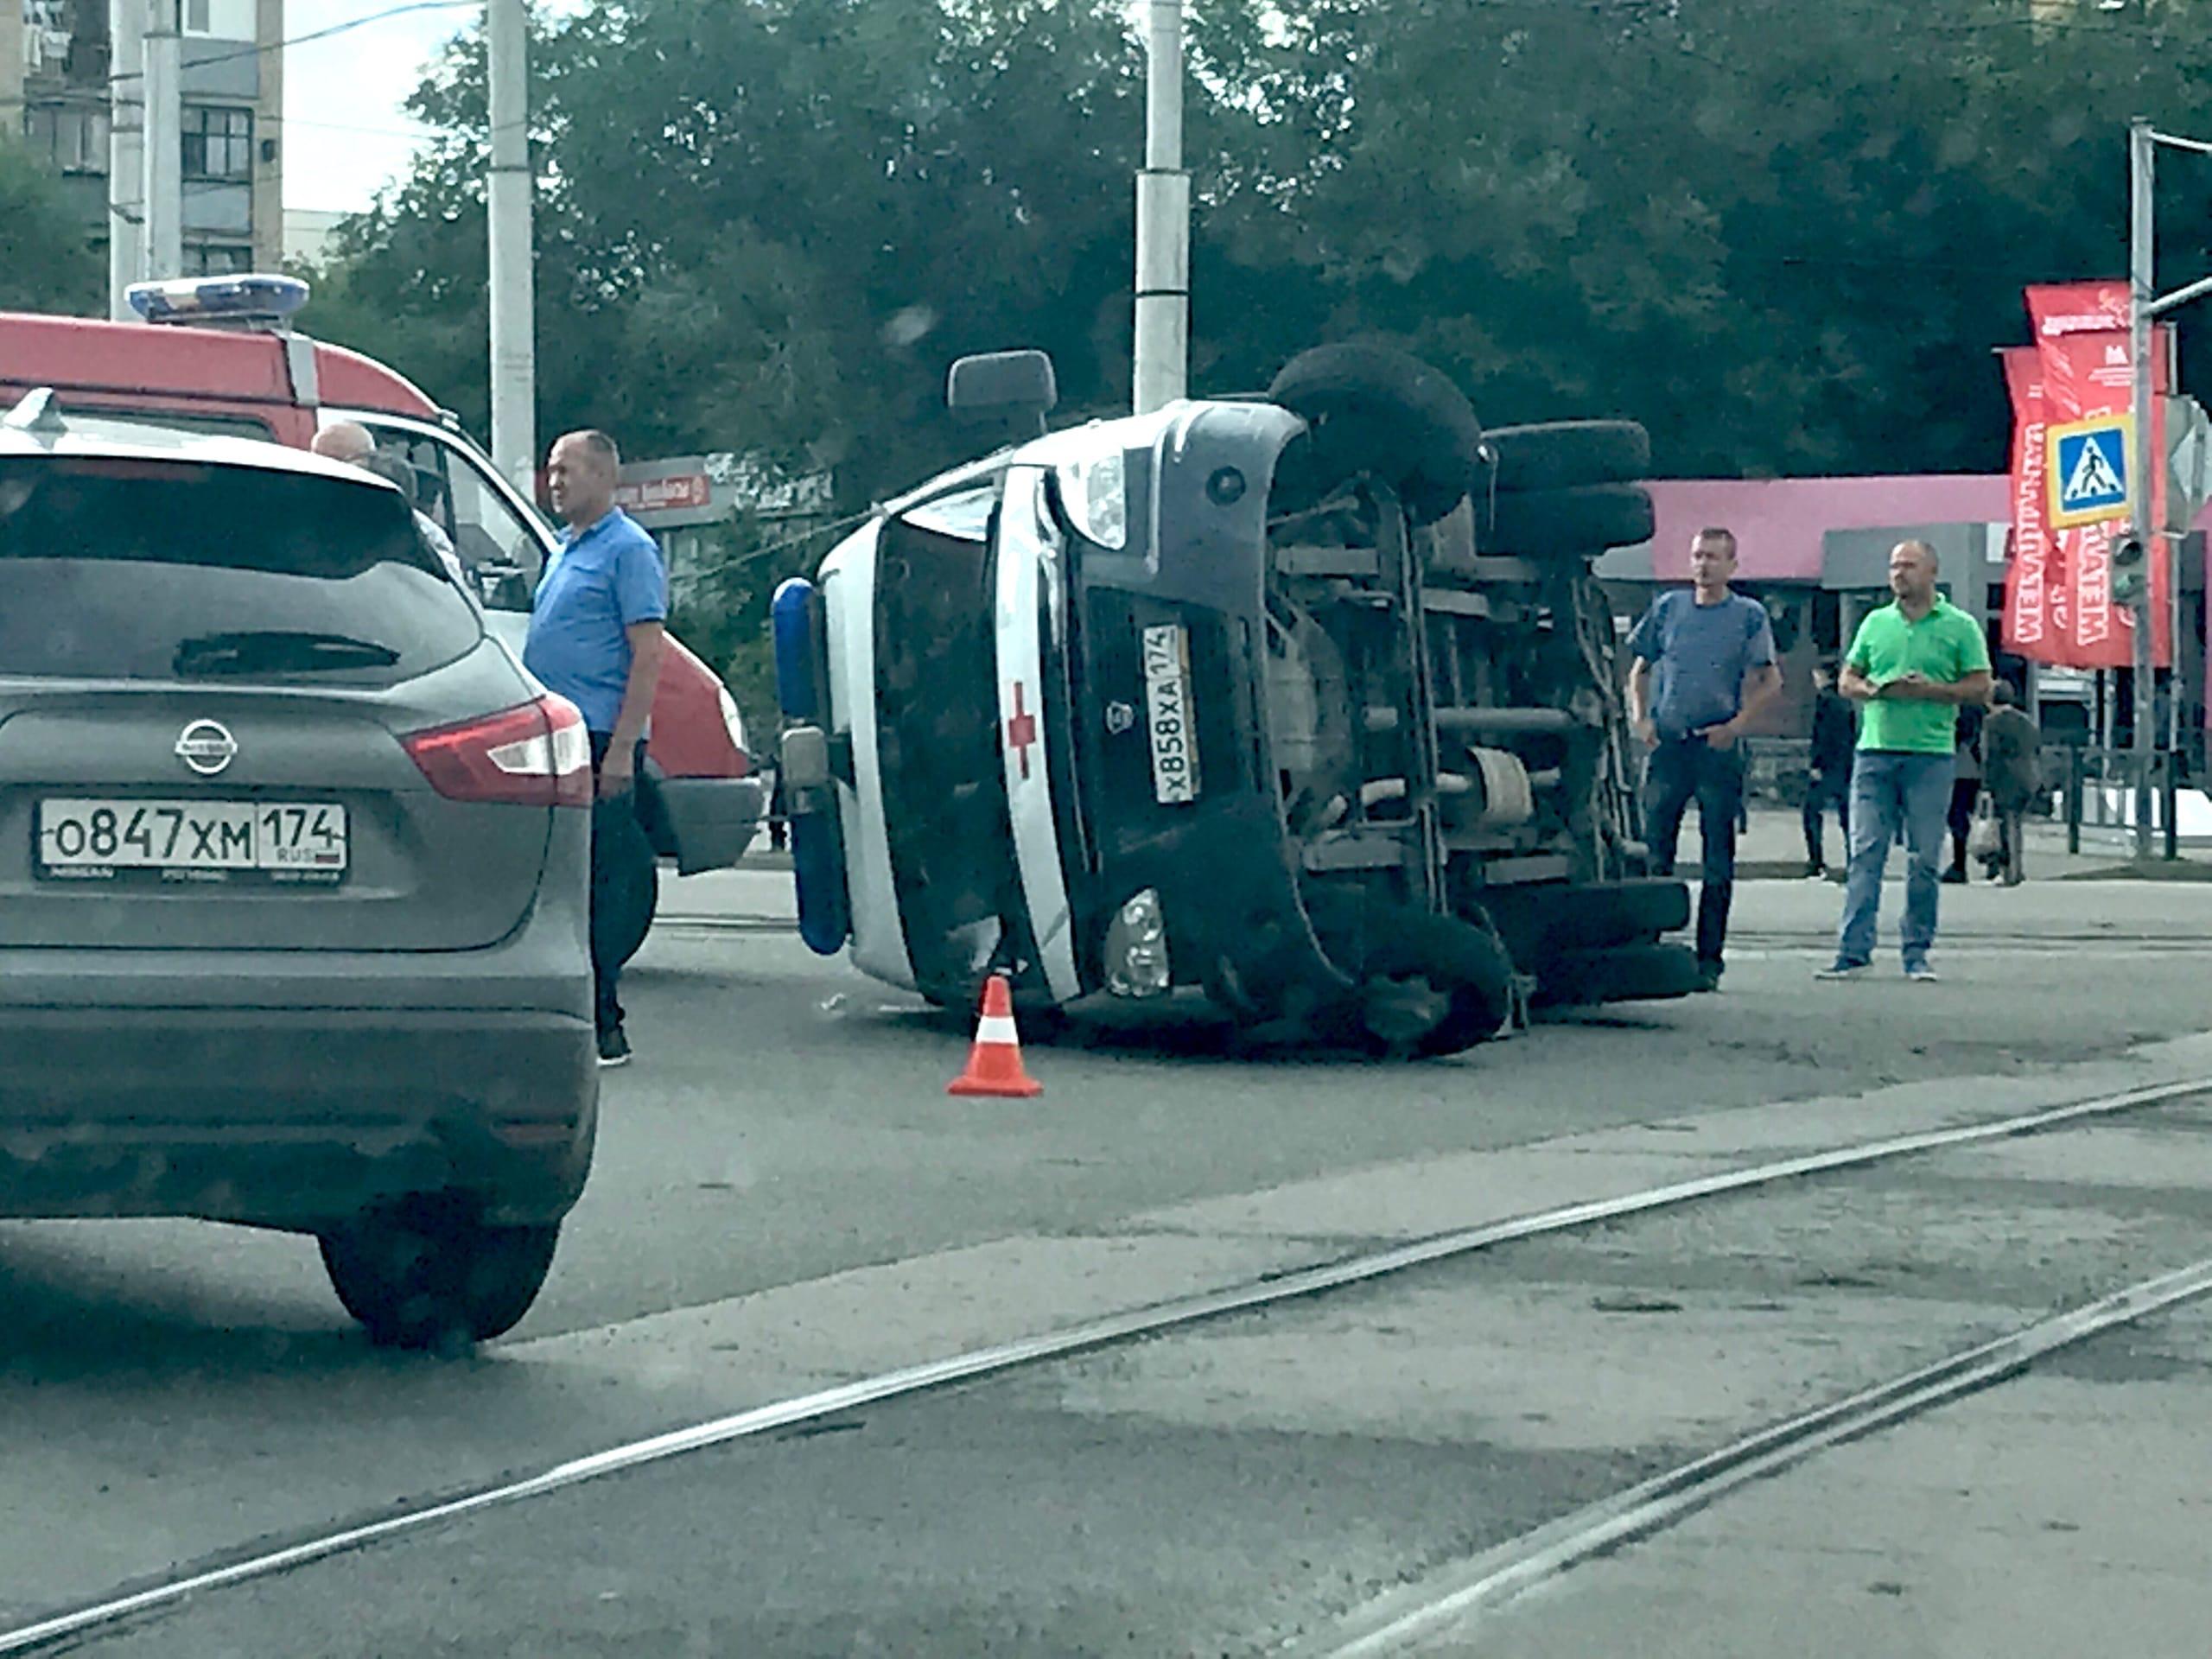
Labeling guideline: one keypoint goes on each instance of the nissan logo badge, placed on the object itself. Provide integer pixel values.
(206, 746)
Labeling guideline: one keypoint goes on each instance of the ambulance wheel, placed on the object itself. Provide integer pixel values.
(1432, 985)
(1562, 455)
(1373, 409)
(1565, 524)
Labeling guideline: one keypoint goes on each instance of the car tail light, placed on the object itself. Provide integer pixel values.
(536, 756)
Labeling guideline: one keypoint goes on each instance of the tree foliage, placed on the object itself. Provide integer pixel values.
(45, 262)
(1784, 236)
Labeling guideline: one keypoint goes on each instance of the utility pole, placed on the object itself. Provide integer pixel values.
(163, 192)
(514, 323)
(126, 152)
(2142, 290)
(2146, 306)
(1163, 319)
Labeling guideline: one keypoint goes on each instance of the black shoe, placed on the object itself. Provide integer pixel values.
(1708, 975)
(613, 1047)
(1954, 877)
(1815, 869)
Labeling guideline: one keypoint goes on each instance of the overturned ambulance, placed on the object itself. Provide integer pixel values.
(1307, 701)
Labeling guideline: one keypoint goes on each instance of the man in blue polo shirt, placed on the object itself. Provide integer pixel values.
(597, 634)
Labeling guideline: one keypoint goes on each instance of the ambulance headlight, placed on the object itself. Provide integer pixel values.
(1136, 949)
(1095, 493)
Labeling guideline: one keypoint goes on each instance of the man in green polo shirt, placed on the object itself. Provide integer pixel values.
(1913, 665)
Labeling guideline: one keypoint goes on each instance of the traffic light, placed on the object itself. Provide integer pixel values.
(2131, 569)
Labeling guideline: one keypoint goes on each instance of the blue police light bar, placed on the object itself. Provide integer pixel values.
(218, 299)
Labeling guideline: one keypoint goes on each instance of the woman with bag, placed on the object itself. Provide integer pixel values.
(2011, 748)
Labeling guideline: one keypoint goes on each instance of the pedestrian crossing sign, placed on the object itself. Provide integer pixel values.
(2088, 470)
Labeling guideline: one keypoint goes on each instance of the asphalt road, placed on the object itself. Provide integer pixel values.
(786, 1196)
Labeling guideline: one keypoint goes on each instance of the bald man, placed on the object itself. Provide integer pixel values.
(598, 632)
(354, 444)
(1914, 663)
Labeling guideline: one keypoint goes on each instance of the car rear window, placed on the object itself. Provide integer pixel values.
(143, 568)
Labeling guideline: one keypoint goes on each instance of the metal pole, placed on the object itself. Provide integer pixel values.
(1163, 311)
(164, 190)
(2142, 293)
(126, 152)
(514, 325)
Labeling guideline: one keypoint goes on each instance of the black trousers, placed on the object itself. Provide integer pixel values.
(1677, 773)
(618, 846)
(1964, 793)
(1824, 790)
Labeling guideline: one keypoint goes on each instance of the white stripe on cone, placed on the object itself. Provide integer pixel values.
(995, 1030)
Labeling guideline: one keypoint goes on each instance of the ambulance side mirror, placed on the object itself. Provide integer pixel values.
(1018, 387)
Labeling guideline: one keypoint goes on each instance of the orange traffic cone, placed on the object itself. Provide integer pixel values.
(994, 1063)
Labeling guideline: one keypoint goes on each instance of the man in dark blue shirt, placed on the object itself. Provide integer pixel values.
(598, 631)
(1705, 666)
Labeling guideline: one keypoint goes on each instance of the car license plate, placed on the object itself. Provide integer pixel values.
(1167, 713)
(193, 839)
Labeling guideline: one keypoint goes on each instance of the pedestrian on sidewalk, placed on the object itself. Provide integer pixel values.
(1966, 790)
(1913, 665)
(1827, 778)
(598, 635)
(2012, 756)
(1704, 667)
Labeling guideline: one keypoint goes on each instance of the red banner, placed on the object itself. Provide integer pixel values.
(2060, 609)
(2036, 622)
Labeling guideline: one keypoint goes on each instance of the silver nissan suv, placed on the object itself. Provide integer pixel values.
(293, 875)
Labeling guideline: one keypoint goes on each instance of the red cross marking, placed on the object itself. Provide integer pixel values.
(1021, 730)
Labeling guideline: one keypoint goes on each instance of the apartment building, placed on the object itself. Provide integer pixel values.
(54, 68)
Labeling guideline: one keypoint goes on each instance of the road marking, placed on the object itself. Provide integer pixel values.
(1496, 1576)
(1284, 1286)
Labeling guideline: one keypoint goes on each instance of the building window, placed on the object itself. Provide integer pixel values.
(72, 137)
(221, 20)
(217, 259)
(217, 144)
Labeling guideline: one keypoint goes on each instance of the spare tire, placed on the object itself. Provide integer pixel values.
(1375, 409)
(1562, 524)
(1561, 454)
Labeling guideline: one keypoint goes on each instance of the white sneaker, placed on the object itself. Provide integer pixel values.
(1921, 974)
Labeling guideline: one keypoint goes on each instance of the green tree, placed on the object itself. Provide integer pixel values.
(46, 262)
(1784, 237)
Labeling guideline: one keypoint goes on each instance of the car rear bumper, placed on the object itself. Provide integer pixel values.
(711, 821)
(292, 1117)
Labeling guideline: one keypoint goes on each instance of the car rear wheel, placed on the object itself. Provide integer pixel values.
(430, 1271)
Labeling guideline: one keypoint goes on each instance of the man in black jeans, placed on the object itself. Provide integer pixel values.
(1704, 667)
(597, 634)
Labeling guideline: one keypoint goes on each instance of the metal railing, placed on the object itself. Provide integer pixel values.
(2084, 786)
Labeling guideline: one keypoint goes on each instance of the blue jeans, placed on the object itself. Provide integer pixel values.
(1892, 791)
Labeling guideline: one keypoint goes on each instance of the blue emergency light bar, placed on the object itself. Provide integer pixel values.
(218, 299)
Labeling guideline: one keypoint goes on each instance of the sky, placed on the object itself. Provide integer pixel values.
(346, 130)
